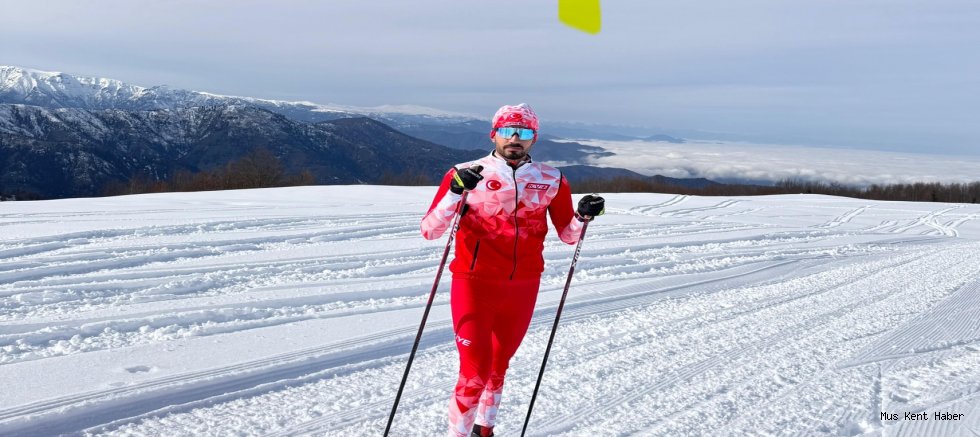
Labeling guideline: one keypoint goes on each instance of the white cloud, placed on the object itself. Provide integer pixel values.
(768, 162)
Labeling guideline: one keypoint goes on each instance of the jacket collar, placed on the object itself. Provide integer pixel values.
(493, 155)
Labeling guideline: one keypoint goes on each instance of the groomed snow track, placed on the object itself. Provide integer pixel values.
(291, 311)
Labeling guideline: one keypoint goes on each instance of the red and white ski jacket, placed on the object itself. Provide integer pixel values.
(502, 230)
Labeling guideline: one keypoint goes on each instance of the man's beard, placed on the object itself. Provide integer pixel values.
(514, 154)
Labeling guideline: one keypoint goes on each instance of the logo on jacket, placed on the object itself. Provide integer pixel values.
(494, 185)
(537, 186)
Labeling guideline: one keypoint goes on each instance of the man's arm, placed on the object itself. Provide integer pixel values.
(563, 214)
(443, 208)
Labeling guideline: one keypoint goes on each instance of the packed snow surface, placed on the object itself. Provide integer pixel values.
(292, 312)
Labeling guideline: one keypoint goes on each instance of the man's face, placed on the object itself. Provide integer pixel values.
(512, 148)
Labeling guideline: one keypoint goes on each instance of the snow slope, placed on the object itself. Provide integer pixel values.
(291, 312)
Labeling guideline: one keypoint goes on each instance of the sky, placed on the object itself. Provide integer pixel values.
(897, 75)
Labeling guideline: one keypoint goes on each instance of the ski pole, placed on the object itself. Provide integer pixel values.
(561, 304)
(428, 306)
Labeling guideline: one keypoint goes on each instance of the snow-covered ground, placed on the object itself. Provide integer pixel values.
(292, 311)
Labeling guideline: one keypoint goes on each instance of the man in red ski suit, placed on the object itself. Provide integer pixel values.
(498, 262)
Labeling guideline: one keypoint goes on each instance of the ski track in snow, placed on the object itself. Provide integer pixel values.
(292, 311)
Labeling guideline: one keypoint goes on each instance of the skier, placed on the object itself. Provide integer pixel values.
(498, 262)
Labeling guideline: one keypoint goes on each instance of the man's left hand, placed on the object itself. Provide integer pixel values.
(591, 206)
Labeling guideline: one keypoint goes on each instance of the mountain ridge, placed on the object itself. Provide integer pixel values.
(71, 152)
(62, 90)
(63, 135)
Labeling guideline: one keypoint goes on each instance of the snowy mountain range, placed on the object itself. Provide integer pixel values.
(69, 152)
(60, 90)
(65, 136)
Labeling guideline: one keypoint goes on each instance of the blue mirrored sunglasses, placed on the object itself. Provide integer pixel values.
(522, 132)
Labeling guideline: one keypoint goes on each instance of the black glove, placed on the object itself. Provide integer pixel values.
(591, 206)
(466, 179)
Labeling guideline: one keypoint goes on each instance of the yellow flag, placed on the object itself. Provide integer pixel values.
(583, 15)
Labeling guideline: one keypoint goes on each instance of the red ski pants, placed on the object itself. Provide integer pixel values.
(490, 319)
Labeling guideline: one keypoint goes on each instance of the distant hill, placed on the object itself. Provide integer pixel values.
(75, 152)
(665, 139)
(585, 172)
(476, 135)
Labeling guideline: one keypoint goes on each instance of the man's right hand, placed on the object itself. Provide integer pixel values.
(466, 179)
